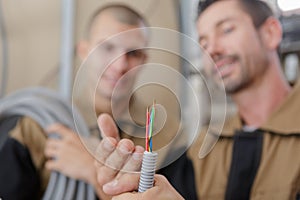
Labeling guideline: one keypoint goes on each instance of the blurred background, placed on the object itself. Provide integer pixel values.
(38, 38)
(32, 36)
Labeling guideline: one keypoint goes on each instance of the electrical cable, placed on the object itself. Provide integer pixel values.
(3, 34)
(148, 171)
(149, 157)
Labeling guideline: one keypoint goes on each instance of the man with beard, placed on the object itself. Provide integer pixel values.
(256, 153)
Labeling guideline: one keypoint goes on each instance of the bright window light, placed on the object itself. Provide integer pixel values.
(286, 5)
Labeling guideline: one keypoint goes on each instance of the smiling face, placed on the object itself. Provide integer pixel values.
(116, 49)
(228, 35)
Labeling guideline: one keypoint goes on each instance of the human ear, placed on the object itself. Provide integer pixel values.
(82, 49)
(271, 32)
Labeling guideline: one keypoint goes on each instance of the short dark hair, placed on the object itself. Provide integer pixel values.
(121, 13)
(258, 10)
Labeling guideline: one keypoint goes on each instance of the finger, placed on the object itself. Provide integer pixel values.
(105, 148)
(115, 161)
(134, 162)
(160, 180)
(52, 165)
(54, 128)
(107, 126)
(59, 129)
(50, 152)
(52, 143)
(126, 183)
(51, 147)
(131, 196)
(118, 157)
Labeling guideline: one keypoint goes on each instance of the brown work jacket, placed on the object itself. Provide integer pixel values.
(278, 174)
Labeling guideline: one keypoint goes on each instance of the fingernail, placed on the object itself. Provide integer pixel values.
(124, 149)
(137, 156)
(111, 184)
(108, 145)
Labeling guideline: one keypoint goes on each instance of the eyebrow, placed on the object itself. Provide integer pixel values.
(101, 40)
(217, 25)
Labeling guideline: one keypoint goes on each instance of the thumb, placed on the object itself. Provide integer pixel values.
(132, 196)
(107, 126)
(126, 183)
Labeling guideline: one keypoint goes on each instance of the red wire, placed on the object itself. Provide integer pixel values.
(147, 130)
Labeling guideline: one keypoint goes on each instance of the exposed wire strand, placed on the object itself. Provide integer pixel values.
(149, 157)
(147, 130)
(150, 115)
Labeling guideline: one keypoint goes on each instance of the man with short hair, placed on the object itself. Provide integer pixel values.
(112, 51)
(71, 155)
(113, 46)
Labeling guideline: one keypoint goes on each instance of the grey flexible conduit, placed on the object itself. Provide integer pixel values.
(46, 107)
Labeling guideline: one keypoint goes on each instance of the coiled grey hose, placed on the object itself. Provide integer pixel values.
(46, 108)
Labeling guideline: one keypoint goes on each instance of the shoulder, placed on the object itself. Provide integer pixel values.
(27, 131)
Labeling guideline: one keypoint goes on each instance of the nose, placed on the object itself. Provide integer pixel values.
(214, 47)
(121, 64)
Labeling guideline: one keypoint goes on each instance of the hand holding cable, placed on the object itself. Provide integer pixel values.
(115, 157)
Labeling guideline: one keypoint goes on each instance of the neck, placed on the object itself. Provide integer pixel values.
(257, 102)
(102, 105)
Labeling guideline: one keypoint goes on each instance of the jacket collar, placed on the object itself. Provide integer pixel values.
(285, 120)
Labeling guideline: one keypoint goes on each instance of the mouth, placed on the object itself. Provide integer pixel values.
(225, 66)
(114, 81)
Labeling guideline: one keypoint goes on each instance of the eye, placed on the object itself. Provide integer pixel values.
(135, 53)
(203, 43)
(227, 29)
